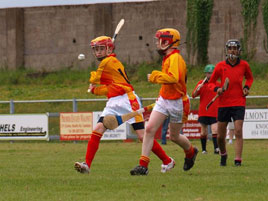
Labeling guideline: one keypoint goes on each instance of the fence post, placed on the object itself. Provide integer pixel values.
(12, 107)
(74, 105)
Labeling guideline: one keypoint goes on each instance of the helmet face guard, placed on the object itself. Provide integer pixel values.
(233, 43)
(167, 38)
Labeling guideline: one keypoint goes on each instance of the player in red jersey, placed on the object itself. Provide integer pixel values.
(232, 102)
(207, 117)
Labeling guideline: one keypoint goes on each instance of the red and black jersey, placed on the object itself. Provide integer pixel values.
(233, 96)
(206, 95)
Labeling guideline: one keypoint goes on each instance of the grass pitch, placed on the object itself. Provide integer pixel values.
(31, 171)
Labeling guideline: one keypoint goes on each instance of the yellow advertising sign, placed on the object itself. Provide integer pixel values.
(75, 125)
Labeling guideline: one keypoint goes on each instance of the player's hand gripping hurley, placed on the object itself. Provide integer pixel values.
(118, 28)
(113, 121)
(224, 88)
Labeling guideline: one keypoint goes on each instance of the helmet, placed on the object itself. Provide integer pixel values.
(102, 41)
(171, 35)
(233, 43)
(209, 68)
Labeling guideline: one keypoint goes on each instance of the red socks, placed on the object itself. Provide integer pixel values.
(159, 152)
(144, 161)
(92, 147)
(189, 153)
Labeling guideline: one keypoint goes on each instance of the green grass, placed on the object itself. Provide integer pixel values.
(31, 171)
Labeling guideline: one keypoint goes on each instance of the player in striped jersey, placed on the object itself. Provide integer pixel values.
(110, 79)
(172, 101)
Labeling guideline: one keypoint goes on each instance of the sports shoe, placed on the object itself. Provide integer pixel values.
(223, 160)
(204, 152)
(81, 167)
(237, 162)
(217, 151)
(165, 168)
(189, 162)
(139, 170)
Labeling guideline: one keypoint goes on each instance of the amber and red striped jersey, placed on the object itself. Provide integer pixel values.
(206, 95)
(172, 77)
(111, 77)
(234, 95)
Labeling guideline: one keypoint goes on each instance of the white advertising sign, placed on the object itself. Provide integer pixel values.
(256, 124)
(24, 127)
(120, 133)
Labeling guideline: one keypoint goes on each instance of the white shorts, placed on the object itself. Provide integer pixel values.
(172, 108)
(120, 105)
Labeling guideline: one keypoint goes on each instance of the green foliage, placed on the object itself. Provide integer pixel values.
(199, 13)
(265, 23)
(259, 70)
(250, 13)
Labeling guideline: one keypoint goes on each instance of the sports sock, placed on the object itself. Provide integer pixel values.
(190, 152)
(238, 159)
(203, 140)
(92, 147)
(144, 161)
(160, 153)
(214, 138)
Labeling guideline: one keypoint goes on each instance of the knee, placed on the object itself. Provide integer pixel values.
(140, 137)
(172, 137)
(150, 130)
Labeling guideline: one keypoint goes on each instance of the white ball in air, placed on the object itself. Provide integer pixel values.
(81, 57)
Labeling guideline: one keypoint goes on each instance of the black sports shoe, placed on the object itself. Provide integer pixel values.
(189, 162)
(237, 163)
(139, 170)
(223, 160)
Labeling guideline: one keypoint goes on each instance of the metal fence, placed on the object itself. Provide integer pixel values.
(76, 101)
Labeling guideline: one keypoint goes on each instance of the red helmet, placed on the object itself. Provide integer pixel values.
(102, 41)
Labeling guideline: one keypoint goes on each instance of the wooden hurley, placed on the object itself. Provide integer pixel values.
(201, 85)
(224, 88)
(113, 121)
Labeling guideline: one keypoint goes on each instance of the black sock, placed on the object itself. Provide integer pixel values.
(204, 143)
(214, 138)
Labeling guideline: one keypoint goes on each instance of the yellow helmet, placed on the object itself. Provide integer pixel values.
(169, 34)
(102, 41)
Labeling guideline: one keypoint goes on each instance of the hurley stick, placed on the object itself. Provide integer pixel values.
(201, 85)
(117, 29)
(224, 88)
(113, 121)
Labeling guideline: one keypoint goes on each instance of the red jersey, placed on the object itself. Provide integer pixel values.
(206, 95)
(233, 96)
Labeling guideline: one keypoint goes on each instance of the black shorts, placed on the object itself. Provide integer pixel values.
(207, 120)
(135, 126)
(226, 113)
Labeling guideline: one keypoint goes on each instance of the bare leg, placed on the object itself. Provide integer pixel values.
(221, 136)
(239, 138)
(156, 119)
(175, 136)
